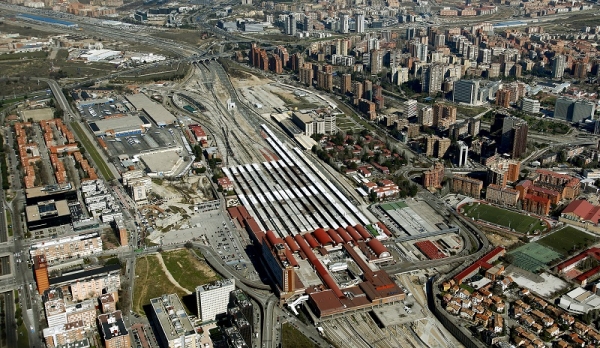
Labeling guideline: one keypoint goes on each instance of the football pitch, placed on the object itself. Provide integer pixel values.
(505, 218)
(567, 240)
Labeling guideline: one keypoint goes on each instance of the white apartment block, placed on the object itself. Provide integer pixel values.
(212, 299)
(130, 175)
(59, 314)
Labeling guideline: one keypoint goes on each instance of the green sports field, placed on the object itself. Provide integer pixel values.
(569, 239)
(502, 217)
(532, 257)
(394, 205)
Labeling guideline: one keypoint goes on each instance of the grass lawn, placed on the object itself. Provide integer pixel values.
(24, 55)
(351, 113)
(87, 144)
(292, 338)
(498, 216)
(372, 230)
(22, 333)
(150, 282)
(188, 271)
(567, 240)
(8, 222)
(467, 287)
(470, 111)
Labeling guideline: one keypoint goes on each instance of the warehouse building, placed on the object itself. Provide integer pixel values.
(162, 163)
(120, 126)
(161, 116)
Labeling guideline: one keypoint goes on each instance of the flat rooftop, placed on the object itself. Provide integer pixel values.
(90, 273)
(68, 239)
(157, 112)
(216, 285)
(41, 191)
(38, 211)
(117, 123)
(164, 161)
(171, 316)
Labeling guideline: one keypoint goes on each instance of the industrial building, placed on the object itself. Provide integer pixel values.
(163, 162)
(120, 126)
(212, 299)
(313, 241)
(306, 202)
(161, 116)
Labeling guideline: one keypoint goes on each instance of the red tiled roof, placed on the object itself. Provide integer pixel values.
(335, 236)
(538, 199)
(593, 252)
(377, 247)
(384, 228)
(584, 209)
(430, 250)
(481, 263)
(363, 232)
(322, 237)
(584, 276)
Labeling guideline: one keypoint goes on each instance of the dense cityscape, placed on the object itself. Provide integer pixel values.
(342, 173)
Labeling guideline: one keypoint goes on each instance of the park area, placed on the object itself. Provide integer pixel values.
(172, 272)
(503, 218)
(568, 240)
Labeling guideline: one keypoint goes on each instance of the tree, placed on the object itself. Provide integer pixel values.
(373, 196)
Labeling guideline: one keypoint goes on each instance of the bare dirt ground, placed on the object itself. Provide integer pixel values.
(251, 81)
(168, 274)
(498, 239)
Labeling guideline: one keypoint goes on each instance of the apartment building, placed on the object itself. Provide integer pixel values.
(174, 327)
(466, 186)
(212, 299)
(90, 283)
(113, 330)
(62, 334)
(501, 195)
(433, 177)
(60, 249)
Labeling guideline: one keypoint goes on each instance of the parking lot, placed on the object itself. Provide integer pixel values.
(153, 139)
(96, 109)
(213, 229)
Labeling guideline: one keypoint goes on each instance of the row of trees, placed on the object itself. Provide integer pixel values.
(4, 166)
